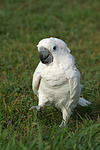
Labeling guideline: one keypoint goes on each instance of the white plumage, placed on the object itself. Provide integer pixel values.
(56, 80)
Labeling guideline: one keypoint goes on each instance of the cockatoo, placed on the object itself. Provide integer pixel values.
(56, 80)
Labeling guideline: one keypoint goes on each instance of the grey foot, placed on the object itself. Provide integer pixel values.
(63, 123)
(38, 108)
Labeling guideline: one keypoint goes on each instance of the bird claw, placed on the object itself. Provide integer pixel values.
(63, 123)
(38, 108)
(34, 107)
(41, 110)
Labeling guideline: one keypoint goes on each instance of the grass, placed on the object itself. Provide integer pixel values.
(22, 25)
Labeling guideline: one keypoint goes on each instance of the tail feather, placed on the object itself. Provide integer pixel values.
(83, 102)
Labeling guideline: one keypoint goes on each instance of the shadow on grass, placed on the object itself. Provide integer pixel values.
(53, 116)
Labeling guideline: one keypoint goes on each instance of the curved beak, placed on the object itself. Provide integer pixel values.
(45, 56)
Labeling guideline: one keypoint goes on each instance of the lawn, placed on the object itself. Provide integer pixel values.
(22, 25)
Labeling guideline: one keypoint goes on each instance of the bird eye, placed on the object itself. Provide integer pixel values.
(54, 47)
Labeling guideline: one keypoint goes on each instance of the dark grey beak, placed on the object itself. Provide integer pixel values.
(45, 56)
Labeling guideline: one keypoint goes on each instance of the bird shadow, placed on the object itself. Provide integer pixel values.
(53, 116)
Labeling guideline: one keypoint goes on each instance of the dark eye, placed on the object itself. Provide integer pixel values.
(54, 47)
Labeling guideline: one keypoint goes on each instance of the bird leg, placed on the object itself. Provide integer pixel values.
(66, 114)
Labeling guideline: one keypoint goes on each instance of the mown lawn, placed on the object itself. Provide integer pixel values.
(22, 25)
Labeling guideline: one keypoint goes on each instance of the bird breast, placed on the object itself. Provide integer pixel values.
(54, 77)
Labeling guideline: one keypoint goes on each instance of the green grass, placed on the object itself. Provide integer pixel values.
(22, 25)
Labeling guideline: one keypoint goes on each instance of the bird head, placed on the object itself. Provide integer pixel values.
(50, 47)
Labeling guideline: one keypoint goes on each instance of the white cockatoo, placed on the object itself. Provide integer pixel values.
(56, 80)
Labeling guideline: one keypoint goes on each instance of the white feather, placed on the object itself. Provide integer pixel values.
(58, 83)
(83, 102)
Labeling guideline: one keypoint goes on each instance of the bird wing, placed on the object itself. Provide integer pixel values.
(72, 74)
(74, 87)
(36, 79)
